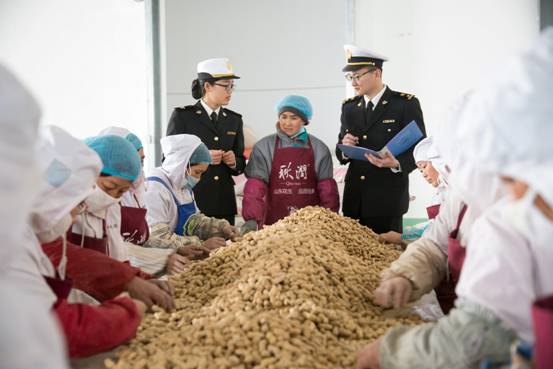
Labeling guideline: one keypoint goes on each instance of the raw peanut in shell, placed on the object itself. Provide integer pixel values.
(297, 294)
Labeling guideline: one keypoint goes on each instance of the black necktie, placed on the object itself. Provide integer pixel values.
(213, 117)
(369, 112)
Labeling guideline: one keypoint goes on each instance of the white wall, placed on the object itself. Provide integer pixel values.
(85, 60)
(277, 47)
(438, 49)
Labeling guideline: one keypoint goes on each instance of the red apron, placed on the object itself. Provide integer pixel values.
(96, 244)
(445, 291)
(293, 181)
(134, 227)
(542, 315)
(433, 211)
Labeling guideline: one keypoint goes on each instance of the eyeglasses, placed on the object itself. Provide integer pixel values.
(350, 77)
(229, 88)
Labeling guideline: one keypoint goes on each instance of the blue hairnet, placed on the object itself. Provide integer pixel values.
(298, 105)
(132, 138)
(201, 155)
(119, 156)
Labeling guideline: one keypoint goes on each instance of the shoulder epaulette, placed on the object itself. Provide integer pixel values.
(186, 107)
(345, 101)
(406, 96)
(232, 112)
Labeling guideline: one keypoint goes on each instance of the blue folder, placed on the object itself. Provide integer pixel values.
(407, 137)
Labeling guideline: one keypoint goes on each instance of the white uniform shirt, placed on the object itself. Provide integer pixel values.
(91, 225)
(446, 221)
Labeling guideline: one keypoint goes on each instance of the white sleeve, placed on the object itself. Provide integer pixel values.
(446, 221)
(160, 205)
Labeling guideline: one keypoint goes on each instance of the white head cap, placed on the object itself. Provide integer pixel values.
(19, 118)
(177, 150)
(215, 68)
(507, 126)
(69, 170)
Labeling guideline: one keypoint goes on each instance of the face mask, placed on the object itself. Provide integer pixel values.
(529, 220)
(476, 189)
(55, 231)
(191, 181)
(139, 182)
(99, 201)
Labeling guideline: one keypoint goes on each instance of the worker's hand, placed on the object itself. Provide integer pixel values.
(230, 232)
(350, 140)
(229, 158)
(248, 226)
(177, 263)
(214, 243)
(140, 308)
(389, 161)
(193, 252)
(216, 156)
(391, 237)
(369, 357)
(149, 294)
(394, 292)
(164, 285)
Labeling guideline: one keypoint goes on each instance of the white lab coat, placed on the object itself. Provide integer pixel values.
(30, 335)
(160, 203)
(504, 271)
(91, 225)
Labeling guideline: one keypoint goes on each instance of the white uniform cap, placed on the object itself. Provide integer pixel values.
(357, 58)
(219, 68)
(506, 127)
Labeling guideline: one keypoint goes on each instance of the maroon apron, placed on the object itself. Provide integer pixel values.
(134, 227)
(293, 181)
(61, 287)
(445, 291)
(433, 211)
(96, 244)
(542, 315)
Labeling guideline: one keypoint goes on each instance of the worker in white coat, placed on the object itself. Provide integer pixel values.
(505, 127)
(515, 249)
(30, 336)
(432, 167)
(172, 212)
(132, 215)
(121, 166)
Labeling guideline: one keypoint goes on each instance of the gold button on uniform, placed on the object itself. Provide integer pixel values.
(216, 138)
(389, 130)
(364, 137)
(362, 178)
(216, 178)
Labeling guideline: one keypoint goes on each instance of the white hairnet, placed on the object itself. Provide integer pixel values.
(30, 336)
(69, 169)
(507, 126)
(177, 150)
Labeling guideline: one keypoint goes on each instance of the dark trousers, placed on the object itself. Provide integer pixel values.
(383, 224)
(229, 218)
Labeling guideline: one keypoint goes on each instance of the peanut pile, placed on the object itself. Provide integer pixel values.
(296, 294)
